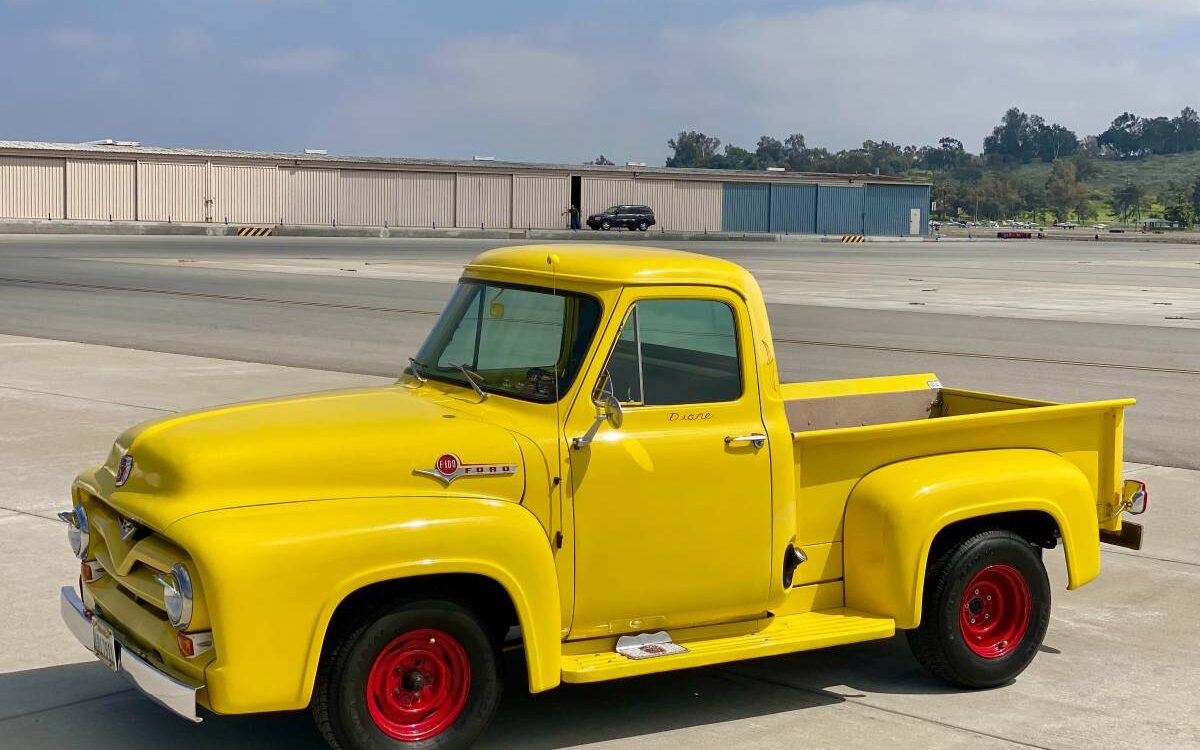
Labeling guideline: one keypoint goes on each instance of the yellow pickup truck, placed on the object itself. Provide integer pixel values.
(591, 456)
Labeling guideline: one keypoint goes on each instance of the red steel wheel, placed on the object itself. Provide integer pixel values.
(995, 610)
(418, 685)
(984, 610)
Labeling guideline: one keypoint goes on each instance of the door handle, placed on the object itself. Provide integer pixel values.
(757, 439)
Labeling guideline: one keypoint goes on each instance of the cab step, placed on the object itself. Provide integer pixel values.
(799, 632)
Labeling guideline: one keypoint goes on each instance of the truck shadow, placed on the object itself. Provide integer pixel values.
(65, 706)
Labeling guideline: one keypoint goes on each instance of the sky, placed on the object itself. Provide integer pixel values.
(565, 81)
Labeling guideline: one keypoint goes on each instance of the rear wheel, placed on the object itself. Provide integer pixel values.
(421, 675)
(985, 611)
(642, 225)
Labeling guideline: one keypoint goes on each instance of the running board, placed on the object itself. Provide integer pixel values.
(784, 635)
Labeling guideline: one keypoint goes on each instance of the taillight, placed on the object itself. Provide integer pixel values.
(1136, 496)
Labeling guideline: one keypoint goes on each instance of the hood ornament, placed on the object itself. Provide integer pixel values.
(124, 469)
(448, 468)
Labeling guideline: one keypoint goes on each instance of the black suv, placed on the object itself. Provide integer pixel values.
(630, 217)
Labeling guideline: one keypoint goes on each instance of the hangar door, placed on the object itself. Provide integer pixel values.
(747, 207)
(840, 210)
(793, 209)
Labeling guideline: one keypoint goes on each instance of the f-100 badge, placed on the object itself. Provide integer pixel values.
(449, 467)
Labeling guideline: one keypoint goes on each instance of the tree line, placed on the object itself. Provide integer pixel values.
(985, 185)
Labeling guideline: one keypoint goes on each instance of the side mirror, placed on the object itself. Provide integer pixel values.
(608, 409)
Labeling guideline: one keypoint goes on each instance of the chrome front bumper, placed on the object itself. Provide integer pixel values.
(178, 697)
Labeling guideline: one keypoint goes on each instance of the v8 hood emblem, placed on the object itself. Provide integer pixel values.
(449, 467)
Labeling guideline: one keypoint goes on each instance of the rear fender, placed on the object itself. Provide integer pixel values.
(895, 512)
(276, 574)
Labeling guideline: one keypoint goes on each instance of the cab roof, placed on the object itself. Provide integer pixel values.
(623, 265)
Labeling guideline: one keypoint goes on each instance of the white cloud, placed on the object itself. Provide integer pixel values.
(88, 40)
(907, 70)
(298, 60)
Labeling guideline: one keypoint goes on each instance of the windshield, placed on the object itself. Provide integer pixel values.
(514, 341)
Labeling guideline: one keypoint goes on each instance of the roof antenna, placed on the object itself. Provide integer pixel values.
(552, 261)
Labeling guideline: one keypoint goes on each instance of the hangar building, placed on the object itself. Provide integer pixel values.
(126, 182)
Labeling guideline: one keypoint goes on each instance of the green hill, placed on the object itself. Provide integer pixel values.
(1153, 173)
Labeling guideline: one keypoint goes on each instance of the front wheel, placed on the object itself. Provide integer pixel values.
(606, 225)
(422, 675)
(985, 611)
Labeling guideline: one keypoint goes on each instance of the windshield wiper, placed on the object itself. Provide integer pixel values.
(470, 375)
(417, 366)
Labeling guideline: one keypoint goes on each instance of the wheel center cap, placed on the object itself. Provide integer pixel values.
(413, 681)
(975, 606)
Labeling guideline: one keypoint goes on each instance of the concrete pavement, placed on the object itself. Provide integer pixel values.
(1118, 669)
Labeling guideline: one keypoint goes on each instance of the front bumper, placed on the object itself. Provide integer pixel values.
(177, 696)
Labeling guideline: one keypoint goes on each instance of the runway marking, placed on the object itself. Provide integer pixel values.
(207, 295)
(792, 342)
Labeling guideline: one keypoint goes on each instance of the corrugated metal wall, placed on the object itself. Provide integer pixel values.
(747, 207)
(171, 191)
(86, 188)
(484, 200)
(889, 208)
(840, 209)
(31, 188)
(367, 198)
(309, 196)
(247, 194)
(425, 199)
(690, 206)
(101, 189)
(794, 209)
(539, 202)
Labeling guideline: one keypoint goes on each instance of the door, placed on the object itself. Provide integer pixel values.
(914, 221)
(672, 511)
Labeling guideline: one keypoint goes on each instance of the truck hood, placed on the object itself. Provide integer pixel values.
(368, 442)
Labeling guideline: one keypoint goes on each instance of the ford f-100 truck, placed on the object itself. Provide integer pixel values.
(592, 455)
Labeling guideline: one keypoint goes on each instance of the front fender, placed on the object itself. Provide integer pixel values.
(894, 513)
(274, 575)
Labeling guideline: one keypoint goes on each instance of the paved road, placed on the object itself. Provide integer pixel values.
(1057, 320)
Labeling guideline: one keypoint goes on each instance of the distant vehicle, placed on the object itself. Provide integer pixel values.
(1065, 224)
(935, 224)
(993, 224)
(629, 216)
(957, 223)
(1116, 230)
(1099, 226)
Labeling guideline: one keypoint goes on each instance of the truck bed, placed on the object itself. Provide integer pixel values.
(843, 430)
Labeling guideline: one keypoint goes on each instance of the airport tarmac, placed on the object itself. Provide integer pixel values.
(1047, 319)
(1117, 670)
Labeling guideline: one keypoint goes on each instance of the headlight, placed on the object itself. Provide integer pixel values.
(177, 595)
(77, 530)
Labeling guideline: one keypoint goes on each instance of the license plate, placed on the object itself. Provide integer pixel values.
(105, 644)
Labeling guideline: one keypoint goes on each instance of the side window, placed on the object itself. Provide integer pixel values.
(676, 351)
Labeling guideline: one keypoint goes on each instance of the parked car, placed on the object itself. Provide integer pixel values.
(631, 217)
(629, 493)
(1065, 224)
(1099, 226)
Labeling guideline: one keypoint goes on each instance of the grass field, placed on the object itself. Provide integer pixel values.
(1153, 173)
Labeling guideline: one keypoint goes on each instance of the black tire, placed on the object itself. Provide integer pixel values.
(340, 699)
(606, 225)
(642, 225)
(993, 562)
